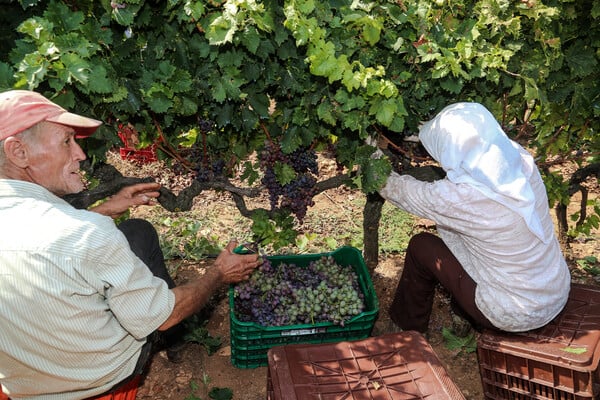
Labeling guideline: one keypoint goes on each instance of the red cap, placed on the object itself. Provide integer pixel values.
(22, 109)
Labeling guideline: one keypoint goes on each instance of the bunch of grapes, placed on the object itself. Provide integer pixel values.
(205, 173)
(206, 168)
(206, 125)
(286, 294)
(296, 195)
(206, 165)
(304, 160)
(269, 156)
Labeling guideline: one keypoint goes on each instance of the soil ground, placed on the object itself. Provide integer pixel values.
(198, 372)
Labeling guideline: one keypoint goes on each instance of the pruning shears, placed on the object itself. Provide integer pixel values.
(254, 247)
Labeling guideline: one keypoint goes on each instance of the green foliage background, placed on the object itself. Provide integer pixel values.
(312, 73)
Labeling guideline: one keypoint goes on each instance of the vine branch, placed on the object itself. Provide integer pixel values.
(111, 181)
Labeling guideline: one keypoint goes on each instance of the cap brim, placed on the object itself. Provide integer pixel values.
(83, 126)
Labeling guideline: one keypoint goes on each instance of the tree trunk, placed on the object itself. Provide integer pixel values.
(371, 217)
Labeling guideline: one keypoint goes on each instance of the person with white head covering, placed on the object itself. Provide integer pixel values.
(496, 253)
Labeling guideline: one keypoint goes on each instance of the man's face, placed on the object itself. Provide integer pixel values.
(54, 159)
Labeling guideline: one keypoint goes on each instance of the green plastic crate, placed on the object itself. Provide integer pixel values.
(250, 341)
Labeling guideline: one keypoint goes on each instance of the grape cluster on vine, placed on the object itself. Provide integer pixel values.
(304, 160)
(206, 166)
(206, 169)
(323, 291)
(206, 125)
(297, 194)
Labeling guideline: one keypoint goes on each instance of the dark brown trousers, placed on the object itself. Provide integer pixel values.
(429, 262)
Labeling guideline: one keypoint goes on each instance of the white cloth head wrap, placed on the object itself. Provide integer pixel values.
(472, 148)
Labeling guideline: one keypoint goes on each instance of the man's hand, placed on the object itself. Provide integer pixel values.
(192, 296)
(134, 195)
(236, 267)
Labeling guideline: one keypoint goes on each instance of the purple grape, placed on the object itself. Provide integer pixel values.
(286, 294)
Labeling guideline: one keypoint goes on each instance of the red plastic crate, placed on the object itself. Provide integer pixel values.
(128, 136)
(396, 366)
(558, 361)
(143, 155)
(126, 392)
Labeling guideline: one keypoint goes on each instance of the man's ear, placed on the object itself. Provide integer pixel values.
(16, 151)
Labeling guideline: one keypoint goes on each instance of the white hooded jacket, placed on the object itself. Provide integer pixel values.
(492, 212)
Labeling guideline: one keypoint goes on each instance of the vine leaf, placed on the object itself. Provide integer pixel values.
(284, 173)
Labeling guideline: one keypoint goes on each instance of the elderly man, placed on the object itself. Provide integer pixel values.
(77, 304)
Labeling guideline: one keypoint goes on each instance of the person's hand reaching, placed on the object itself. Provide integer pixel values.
(236, 267)
(134, 195)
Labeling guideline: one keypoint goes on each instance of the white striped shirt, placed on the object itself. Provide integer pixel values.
(76, 304)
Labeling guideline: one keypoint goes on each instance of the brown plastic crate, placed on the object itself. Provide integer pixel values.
(397, 366)
(558, 361)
